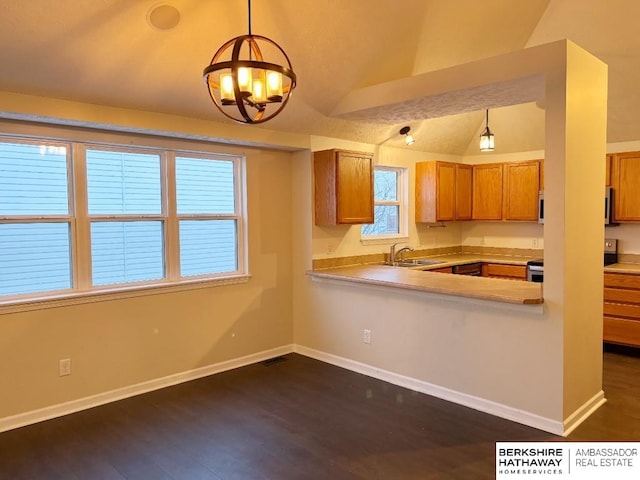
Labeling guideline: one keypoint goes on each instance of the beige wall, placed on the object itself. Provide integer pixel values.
(114, 344)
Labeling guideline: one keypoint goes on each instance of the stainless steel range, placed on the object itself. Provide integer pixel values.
(535, 271)
(535, 268)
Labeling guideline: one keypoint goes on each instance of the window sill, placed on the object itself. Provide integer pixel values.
(116, 293)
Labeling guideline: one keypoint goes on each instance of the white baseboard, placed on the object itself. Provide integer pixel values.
(582, 413)
(47, 413)
(477, 403)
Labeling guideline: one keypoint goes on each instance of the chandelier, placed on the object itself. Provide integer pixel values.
(243, 85)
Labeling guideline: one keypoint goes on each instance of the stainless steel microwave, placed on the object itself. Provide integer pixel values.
(608, 206)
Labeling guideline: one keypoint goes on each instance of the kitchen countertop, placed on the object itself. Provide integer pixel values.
(633, 268)
(420, 279)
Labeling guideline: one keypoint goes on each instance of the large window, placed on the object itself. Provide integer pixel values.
(84, 218)
(390, 217)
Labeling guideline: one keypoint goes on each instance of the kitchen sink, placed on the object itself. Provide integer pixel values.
(416, 262)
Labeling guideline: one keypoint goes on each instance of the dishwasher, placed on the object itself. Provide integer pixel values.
(471, 269)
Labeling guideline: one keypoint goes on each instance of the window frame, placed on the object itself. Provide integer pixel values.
(79, 221)
(402, 203)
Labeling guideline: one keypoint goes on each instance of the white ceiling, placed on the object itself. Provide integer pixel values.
(105, 52)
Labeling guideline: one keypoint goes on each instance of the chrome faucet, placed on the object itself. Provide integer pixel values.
(393, 255)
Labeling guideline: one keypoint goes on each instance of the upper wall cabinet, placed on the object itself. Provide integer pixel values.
(506, 191)
(521, 187)
(487, 191)
(443, 192)
(625, 178)
(343, 187)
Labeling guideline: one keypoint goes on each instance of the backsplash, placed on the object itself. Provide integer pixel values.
(520, 235)
(628, 236)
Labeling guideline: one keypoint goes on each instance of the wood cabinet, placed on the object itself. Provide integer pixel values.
(501, 270)
(343, 183)
(487, 191)
(506, 191)
(607, 171)
(464, 189)
(622, 309)
(521, 187)
(443, 192)
(625, 178)
(442, 270)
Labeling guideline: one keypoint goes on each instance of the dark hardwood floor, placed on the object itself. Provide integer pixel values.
(294, 419)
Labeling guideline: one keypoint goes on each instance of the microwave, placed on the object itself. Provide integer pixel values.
(608, 206)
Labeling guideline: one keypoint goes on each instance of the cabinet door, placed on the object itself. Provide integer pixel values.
(354, 182)
(625, 179)
(499, 270)
(425, 192)
(445, 191)
(435, 191)
(521, 186)
(464, 187)
(487, 192)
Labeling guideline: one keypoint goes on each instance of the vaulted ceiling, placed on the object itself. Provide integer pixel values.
(106, 52)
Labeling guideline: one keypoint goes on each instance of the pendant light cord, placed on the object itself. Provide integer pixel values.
(249, 2)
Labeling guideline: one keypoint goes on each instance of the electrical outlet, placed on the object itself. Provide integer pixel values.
(534, 243)
(366, 338)
(64, 367)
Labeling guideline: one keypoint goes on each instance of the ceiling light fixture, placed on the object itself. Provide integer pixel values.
(245, 87)
(408, 139)
(487, 143)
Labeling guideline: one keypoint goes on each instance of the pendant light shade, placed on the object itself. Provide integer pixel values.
(250, 78)
(487, 142)
(408, 138)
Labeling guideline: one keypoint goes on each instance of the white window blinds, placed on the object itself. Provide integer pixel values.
(35, 239)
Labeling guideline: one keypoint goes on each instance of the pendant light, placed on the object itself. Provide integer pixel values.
(487, 143)
(408, 139)
(245, 86)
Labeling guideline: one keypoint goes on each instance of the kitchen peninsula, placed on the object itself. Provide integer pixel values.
(419, 278)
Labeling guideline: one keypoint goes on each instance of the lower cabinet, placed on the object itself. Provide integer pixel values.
(442, 270)
(501, 270)
(622, 309)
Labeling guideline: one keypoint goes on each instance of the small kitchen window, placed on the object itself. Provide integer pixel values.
(390, 205)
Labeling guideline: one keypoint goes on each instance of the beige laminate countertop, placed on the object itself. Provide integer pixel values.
(420, 279)
(633, 268)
